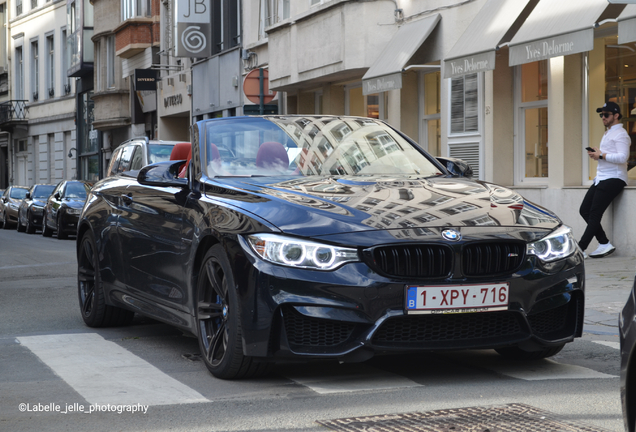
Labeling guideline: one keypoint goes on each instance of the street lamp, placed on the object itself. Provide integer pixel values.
(70, 155)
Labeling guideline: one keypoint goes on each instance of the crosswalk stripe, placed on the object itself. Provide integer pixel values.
(106, 373)
(350, 378)
(615, 345)
(548, 369)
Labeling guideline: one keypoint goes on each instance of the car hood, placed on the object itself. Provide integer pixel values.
(323, 206)
(39, 202)
(74, 202)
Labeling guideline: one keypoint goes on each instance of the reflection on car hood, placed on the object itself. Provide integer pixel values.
(74, 202)
(318, 206)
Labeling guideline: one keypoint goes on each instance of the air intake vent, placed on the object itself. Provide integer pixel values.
(487, 259)
(413, 261)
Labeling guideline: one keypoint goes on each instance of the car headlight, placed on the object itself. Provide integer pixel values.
(37, 210)
(13, 206)
(73, 211)
(293, 252)
(555, 246)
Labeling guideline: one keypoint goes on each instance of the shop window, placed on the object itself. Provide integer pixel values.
(464, 104)
(430, 107)
(620, 87)
(357, 104)
(532, 104)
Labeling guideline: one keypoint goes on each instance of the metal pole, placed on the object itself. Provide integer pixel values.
(261, 96)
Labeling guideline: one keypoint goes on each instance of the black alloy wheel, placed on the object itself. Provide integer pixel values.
(219, 327)
(46, 231)
(30, 229)
(95, 311)
(516, 353)
(61, 235)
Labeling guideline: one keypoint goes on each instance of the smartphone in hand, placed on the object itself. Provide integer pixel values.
(590, 149)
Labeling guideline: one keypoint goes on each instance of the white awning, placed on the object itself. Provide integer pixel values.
(386, 73)
(475, 49)
(627, 25)
(556, 28)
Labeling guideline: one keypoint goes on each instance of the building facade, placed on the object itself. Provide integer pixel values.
(38, 115)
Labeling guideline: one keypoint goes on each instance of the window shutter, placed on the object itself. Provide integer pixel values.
(469, 153)
(457, 105)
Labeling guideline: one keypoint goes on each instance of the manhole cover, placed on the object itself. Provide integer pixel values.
(501, 418)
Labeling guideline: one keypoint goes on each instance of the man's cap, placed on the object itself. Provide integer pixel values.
(610, 107)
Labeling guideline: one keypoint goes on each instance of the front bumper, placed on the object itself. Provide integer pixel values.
(353, 312)
(68, 223)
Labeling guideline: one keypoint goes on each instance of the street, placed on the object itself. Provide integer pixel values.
(56, 374)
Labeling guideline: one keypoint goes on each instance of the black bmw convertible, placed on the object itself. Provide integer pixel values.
(300, 237)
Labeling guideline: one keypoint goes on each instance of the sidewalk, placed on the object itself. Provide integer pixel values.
(608, 282)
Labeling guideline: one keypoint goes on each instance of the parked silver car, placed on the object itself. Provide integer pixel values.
(136, 153)
(9, 203)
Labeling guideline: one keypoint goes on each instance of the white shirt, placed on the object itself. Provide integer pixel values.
(615, 148)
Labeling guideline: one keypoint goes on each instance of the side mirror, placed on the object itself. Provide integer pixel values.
(28, 195)
(57, 195)
(162, 174)
(456, 167)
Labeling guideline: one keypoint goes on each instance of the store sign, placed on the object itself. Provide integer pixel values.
(145, 79)
(193, 28)
(572, 43)
(381, 84)
(171, 101)
(467, 65)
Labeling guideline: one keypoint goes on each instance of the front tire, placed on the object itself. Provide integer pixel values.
(95, 311)
(516, 353)
(218, 320)
(30, 229)
(20, 227)
(46, 231)
(61, 235)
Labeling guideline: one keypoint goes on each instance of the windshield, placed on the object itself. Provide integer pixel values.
(159, 152)
(76, 190)
(18, 193)
(42, 191)
(306, 146)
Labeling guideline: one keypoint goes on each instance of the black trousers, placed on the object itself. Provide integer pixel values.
(596, 201)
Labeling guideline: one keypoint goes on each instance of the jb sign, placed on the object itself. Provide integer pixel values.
(193, 28)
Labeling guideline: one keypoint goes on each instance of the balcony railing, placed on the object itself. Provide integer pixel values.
(13, 110)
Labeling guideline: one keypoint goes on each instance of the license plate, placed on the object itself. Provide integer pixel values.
(457, 298)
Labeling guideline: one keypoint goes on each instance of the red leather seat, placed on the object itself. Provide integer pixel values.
(272, 155)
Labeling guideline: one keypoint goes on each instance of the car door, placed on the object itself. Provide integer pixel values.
(154, 252)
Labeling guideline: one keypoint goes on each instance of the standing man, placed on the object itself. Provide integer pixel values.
(611, 178)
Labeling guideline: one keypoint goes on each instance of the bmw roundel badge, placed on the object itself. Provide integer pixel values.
(451, 235)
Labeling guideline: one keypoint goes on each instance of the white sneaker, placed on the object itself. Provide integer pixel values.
(603, 250)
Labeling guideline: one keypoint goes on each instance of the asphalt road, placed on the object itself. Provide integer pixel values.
(52, 367)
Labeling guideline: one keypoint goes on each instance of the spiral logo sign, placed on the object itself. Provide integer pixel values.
(193, 28)
(193, 39)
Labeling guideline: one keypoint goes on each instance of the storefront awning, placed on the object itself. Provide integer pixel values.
(556, 28)
(493, 26)
(386, 73)
(627, 25)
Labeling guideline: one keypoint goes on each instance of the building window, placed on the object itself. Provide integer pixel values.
(35, 70)
(226, 27)
(18, 7)
(34, 4)
(22, 145)
(464, 104)
(66, 82)
(110, 62)
(50, 66)
(134, 8)
(272, 12)
(19, 74)
(533, 120)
